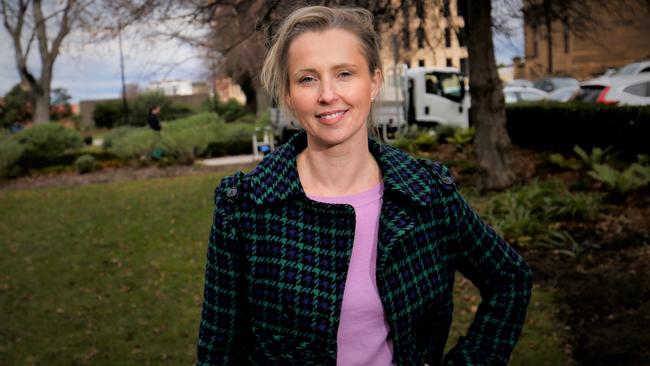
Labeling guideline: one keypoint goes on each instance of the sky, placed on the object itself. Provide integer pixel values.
(91, 70)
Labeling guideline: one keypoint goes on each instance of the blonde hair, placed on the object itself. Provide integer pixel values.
(358, 21)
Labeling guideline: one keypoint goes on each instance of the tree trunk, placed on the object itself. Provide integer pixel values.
(488, 111)
(42, 98)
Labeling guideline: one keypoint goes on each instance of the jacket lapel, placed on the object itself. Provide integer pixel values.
(394, 224)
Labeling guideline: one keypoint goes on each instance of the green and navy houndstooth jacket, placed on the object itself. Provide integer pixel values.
(277, 262)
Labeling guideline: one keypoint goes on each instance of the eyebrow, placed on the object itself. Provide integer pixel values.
(336, 67)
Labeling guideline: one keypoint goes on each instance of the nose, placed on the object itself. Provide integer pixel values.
(327, 92)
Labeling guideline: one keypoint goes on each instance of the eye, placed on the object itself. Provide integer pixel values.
(345, 74)
(306, 80)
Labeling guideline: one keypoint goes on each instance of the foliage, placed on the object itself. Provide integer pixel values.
(107, 113)
(527, 215)
(85, 164)
(462, 137)
(38, 147)
(17, 107)
(60, 107)
(136, 144)
(116, 134)
(183, 140)
(111, 113)
(561, 126)
(620, 182)
(414, 140)
(597, 155)
(10, 153)
(45, 144)
(565, 163)
(445, 131)
(230, 111)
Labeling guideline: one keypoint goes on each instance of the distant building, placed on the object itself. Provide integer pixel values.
(227, 89)
(179, 87)
(608, 43)
(437, 40)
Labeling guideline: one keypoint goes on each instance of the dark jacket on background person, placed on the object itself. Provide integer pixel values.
(154, 121)
(277, 264)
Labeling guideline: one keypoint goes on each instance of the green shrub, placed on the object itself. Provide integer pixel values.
(136, 144)
(107, 114)
(116, 134)
(45, 144)
(621, 182)
(232, 110)
(597, 155)
(561, 126)
(111, 113)
(85, 164)
(461, 137)
(565, 163)
(10, 153)
(526, 215)
(445, 131)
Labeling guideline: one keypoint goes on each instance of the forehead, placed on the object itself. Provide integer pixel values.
(325, 48)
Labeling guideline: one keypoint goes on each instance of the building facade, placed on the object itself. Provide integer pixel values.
(610, 42)
(179, 87)
(436, 37)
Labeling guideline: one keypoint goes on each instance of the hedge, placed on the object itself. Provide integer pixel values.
(560, 126)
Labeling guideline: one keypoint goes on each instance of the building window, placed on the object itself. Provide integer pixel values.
(566, 37)
(464, 67)
(447, 37)
(449, 63)
(445, 8)
(420, 35)
(421, 63)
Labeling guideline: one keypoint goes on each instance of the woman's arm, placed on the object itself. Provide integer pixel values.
(221, 340)
(505, 283)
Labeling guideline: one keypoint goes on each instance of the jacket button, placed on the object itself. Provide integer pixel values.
(231, 192)
(447, 180)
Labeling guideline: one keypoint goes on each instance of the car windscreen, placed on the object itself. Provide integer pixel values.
(589, 93)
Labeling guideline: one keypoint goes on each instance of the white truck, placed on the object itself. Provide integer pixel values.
(426, 96)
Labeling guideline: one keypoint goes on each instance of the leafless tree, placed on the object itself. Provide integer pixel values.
(25, 30)
(32, 23)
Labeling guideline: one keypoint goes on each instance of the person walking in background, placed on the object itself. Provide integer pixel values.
(339, 250)
(153, 118)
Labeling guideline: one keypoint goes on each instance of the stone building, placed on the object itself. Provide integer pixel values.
(435, 39)
(610, 42)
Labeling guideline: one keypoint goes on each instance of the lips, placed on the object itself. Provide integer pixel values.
(330, 117)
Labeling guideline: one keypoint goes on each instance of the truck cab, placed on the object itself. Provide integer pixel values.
(437, 95)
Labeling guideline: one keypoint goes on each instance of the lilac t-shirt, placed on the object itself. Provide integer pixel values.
(362, 337)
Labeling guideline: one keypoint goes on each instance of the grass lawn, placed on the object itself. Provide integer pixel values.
(112, 274)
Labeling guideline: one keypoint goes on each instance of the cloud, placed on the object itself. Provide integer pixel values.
(92, 70)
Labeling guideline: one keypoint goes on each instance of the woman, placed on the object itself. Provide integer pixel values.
(337, 250)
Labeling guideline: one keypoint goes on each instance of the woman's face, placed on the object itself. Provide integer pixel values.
(330, 88)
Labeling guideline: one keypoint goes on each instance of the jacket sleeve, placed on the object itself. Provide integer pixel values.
(504, 281)
(221, 330)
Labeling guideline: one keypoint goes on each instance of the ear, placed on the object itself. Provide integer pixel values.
(375, 83)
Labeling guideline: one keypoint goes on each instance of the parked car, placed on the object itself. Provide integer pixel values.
(564, 94)
(617, 90)
(516, 94)
(633, 69)
(553, 83)
(520, 82)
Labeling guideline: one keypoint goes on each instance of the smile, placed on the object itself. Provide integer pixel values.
(333, 116)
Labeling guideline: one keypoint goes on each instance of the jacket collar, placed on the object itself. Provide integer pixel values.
(276, 177)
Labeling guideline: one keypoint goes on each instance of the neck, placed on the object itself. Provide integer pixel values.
(337, 170)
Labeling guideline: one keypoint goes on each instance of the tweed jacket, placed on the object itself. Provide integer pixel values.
(277, 263)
